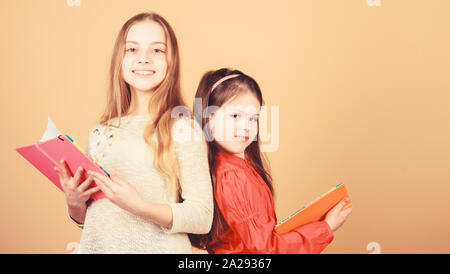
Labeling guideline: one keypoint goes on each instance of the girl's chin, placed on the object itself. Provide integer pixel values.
(235, 149)
(143, 88)
(143, 85)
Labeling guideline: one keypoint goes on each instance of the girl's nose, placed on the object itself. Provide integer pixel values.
(144, 60)
(243, 124)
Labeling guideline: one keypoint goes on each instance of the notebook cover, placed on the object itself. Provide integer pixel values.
(315, 211)
(46, 155)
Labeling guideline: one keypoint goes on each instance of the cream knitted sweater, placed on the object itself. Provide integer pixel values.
(110, 229)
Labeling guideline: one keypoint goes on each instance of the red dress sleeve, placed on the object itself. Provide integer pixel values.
(247, 207)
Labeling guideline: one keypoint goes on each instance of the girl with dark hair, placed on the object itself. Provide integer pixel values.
(244, 215)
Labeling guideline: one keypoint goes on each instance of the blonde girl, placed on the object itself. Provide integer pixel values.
(159, 190)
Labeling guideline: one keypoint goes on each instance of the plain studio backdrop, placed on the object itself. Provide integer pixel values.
(362, 91)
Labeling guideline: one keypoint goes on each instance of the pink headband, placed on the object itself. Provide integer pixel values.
(223, 79)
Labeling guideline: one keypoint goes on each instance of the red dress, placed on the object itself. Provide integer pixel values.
(247, 205)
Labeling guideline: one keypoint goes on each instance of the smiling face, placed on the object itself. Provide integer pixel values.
(234, 125)
(144, 64)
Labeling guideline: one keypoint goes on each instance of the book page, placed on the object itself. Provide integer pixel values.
(51, 131)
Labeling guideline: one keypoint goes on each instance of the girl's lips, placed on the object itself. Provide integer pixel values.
(143, 73)
(242, 138)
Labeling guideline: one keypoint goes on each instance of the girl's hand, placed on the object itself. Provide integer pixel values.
(76, 193)
(121, 193)
(335, 217)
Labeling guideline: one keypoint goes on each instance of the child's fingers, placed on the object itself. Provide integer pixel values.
(92, 190)
(98, 175)
(112, 182)
(347, 205)
(341, 204)
(346, 212)
(113, 178)
(78, 175)
(116, 179)
(85, 185)
(103, 187)
(61, 181)
(66, 174)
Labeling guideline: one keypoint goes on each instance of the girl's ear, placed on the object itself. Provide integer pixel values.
(212, 122)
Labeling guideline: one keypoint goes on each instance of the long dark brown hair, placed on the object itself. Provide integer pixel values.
(219, 96)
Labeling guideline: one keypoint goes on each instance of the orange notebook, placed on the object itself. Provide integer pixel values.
(53, 147)
(315, 211)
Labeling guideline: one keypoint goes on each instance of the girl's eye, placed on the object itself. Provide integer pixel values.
(235, 116)
(253, 119)
(159, 51)
(131, 50)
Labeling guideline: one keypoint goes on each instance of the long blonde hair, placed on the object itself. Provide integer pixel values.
(165, 97)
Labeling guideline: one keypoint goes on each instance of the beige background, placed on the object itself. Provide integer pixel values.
(363, 94)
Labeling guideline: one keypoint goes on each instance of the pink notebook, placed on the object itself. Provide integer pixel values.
(53, 147)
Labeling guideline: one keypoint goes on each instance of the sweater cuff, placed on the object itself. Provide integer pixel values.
(175, 219)
(73, 221)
